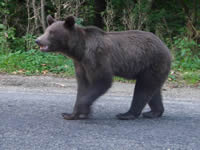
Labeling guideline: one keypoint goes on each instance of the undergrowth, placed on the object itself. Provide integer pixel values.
(34, 62)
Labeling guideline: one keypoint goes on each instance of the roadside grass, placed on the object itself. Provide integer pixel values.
(192, 77)
(188, 77)
(34, 62)
(189, 72)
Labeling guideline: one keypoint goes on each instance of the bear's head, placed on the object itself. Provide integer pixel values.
(60, 36)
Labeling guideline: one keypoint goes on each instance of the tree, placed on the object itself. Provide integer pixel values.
(43, 20)
(100, 6)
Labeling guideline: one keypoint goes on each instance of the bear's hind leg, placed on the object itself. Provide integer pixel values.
(142, 95)
(145, 88)
(156, 106)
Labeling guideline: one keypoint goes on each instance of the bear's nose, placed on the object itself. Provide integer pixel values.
(37, 41)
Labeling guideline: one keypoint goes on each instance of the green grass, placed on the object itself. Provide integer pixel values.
(34, 62)
(188, 77)
(192, 77)
(188, 72)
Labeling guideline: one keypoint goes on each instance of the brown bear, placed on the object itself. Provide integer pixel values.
(99, 55)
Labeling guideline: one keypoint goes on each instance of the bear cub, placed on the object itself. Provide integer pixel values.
(99, 55)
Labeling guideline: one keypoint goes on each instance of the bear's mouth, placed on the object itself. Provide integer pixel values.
(44, 48)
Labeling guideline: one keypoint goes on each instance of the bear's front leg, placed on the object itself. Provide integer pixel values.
(80, 111)
(84, 102)
(91, 84)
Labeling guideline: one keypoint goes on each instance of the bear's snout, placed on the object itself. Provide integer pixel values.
(43, 47)
(37, 41)
(40, 42)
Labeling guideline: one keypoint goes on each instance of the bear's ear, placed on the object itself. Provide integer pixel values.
(69, 22)
(50, 20)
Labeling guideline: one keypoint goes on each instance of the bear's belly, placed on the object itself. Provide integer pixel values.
(126, 75)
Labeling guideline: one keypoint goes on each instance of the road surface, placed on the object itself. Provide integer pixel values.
(30, 118)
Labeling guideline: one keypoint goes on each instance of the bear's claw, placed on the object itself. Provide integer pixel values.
(152, 114)
(126, 116)
(67, 116)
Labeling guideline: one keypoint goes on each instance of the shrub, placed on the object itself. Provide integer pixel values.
(187, 54)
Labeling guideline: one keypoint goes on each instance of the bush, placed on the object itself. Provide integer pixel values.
(7, 36)
(187, 54)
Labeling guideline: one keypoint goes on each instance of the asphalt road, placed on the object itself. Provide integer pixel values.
(30, 119)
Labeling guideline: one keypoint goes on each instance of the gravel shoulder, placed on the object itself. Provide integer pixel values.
(54, 84)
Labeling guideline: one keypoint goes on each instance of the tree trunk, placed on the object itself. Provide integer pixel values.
(100, 6)
(28, 13)
(43, 15)
(35, 15)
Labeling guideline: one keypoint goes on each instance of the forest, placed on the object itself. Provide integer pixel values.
(176, 22)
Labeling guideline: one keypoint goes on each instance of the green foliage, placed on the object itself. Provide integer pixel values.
(79, 21)
(192, 77)
(24, 43)
(3, 8)
(35, 62)
(7, 36)
(87, 13)
(9, 42)
(187, 54)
